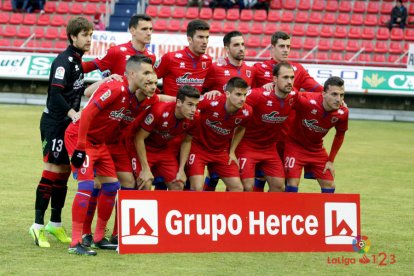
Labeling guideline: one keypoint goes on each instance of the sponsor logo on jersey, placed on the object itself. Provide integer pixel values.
(214, 103)
(165, 124)
(70, 59)
(185, 79)
(182, 64)
(165, 114)
(245, 112)
(178, 55)
(60, 73)
(340, 111)
(269, 103)
(76, 67)
(273, 118)
(204, 65)
(78, 83)
(267, 74)
(312, 101)
(121, 114)
(149, 119)
(123, 49)
(215, 114)
(314, 111)
(106, 95)
(311, 124)
(248, 73)
(215, 126)
(226, 72)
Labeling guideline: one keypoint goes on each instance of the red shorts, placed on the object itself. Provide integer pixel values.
(162, 163)
(297, 157)
(266, 160)
(216, 162)
(71, 138)
(98, 158)
(120, 157)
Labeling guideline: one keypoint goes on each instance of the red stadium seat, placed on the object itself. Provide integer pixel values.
(244, 27)
(302, 17)
(289, 4)
(327, 31)
(76, 8)
(411, 10)
(229, 26)
(397, 34)
(90, 9)
(160, 25)
(246, 15)
(18, 42)
(39, 32)
(253, 41)
(352, 46)
(52, 33)
(30, 19)
(368, 46)
(373, 7)
(338, 45)
(168, 2)
(287, 16)
(273, 16)
(348, 56)
(343, 19)
(164, 12)
(216, 27)
(383, 34)
(357, 19)
(329, 18)
(409, 34)
(371, 20)
(219, 14)
(318, 5)
(155, 2)
(331, 6)
(368, 33)
(359, 7)
(251, 53)
(266, 40)
(396, 47)
(4, 42)
(46, 44)
(354, 32)
(393, 58)
(340, 32)
(10, 31)
(61, 45)
(62, 34)
(233, 14)
(386, 8)
(43, 20)
(192, 13)
(315, 18)
(310, 56)
(271, 28)
(336, 56)
(292, 55)
(7, 6)
(174, 25)
(364, 58)
(345, 6)
(184, 25)
(309, 43)
(62, 8)
(285, 28)
(275, 4)
(181, 3)
(304, 5)
(299, 30)
(322, 56)
(16, 19)
(152, 11)
(313, 30)
(259, 15)
(381, 47)
(57, 20)
(24, 32)
(324, 44)
(256, 28)
(179, 12)
(4, 17)
(296, 43)
(50, 7)
(379, 58)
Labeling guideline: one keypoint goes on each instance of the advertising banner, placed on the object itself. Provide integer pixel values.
(410, 59)
(160, 221)
(387, 81)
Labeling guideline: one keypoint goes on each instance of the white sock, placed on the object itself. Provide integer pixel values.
(38, 226)
(55, 224)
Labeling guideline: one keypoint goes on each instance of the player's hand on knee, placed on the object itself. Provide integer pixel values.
(329, 166)
(78, 158)
(181, 177)
(144, 176)
(233, 158)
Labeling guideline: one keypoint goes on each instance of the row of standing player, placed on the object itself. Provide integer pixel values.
(189, 66)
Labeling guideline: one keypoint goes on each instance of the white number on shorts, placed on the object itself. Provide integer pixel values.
(242, 163)
(289, 162)
(57, 145)
(191, 159)
(134, 163)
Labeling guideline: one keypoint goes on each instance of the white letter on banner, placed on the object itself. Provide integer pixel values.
(260, 222)
(285, 219)
(187, 219)
(178, 229)
(214, 226)
(272, 224)
(311, 225)
(295, 229)
(235, 219)
(199, 222)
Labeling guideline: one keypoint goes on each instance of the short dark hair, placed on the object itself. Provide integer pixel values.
(77, 25)
(333, 81)
(187, 91)
(227, 37)
(197, 25)
(279, 35)
(276, 69)
(133, 22)
(236, 82)
(137, 60)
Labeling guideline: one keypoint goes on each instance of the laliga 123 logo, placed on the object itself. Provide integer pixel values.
(361, 244)
(139, 222)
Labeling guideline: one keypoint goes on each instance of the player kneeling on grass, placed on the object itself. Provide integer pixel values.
(223, 122)
(316, 114)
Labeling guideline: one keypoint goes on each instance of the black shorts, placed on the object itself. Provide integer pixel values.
(52, 134)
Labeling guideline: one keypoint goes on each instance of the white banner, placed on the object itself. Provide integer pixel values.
(410, 59)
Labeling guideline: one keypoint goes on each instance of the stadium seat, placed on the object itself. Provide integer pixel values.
(61, 45)
(273, 16)
(76, 8)
(329, 18)
(357, 19)
(345, 6)
(352, 46)
(192, 13)
(322, 56)
(396, 47)
(62, 34)
(50, 7)
(309, 43)
(324, 44)
(383, 34)
(251, 53)
(18, 42)
(168, 2)
(164, 12)
(373, 7)
(266, 40)
(287, 16)
(296, 43)
(381, 47)
(216, 27)
(302, 17)
(178, 12)
(10, 31)
(7, 6)
(258, 16)
(160, 25)
(181, 2)
(4, 17)
(343, 19)
(271, 28)
(386, 8)
(253, 41)
(327, 31)
(39, 32)
(4, 42)
(275, 5)
(30, 19)
(371, 20)
(246, 15)
(336, 56)
(292, 55)
(243, 27)
(368, 33)
(219, 14)
(233, 14)
(364, 58)
(152, 11)
(411, 10)
(57, 20)
(52, 33)
(315, 18)
(24, 32)
(229, 26)
(379, 58)
(409, 34)
(46, 44)
(311, 56)
(184, 26)
(354, 32)
(313, 30)
(359, 7)
(174, 25)
(348, 56)
(289, 4)
(299, 30)
(318, 5)
(90, 9)
(393, 58)
(16, 19)
(304, 5)
(340, 32)
(285, 28)
(43, 20)
(62, 8)
(397, 34)
(368, 46)
(256, 28)
(155, 2)
(331, 6)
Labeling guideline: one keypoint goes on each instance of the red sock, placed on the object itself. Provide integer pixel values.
(115, 230)
(106, 202)
(87, 225)
(79, 209)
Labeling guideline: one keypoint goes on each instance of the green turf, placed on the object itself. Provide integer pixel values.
(377, 161)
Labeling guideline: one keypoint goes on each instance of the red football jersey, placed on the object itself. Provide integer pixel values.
(270, 115)
(180, 68)
(116, 58)
(217, 126)
(164, 126)
(312, 122)
(219, 74)
(264, 75)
